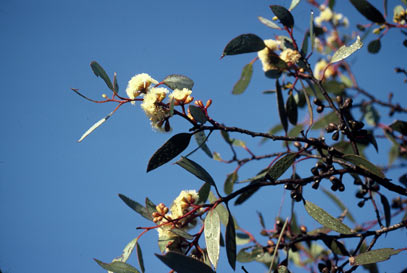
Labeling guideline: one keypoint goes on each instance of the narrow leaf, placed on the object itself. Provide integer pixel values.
(137, 207)
(339, 203)
(364, 164)
(345, 51)
(231, 242)
(281, 166)
(374, 46)
(182, 233)
(229, 182)
(242, 239)
(241, 85)
(368, 11)
(386, 209)
(268, 23)
(220, 209)
(371, 115)
(283, 15)
(175, 81)
(311, 31)
(203, 193)
(173, 147)
(117, 267)
(325, 219)
(304, 45)
(95, 126)
(247, 194)
(374, 256)
(281, 109)
(150, 206)
(200, 138)
(293, 4)
(244, 43)
(399, 126)
(140, 258)
(127, 251)
(100, 72)
(196, 170)
(292, 111)
(197, 113)
(212, 236)
(184, 264)
(309, 107)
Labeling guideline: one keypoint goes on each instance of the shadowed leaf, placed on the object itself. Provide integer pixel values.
(175, 81)
(281, 166)
(281, 109)
(399, 126)
(229, 182)
(117, 267)
(244, 43)
(183, 264)
(140, 258)
(339, 203)
(241, 85)
(373, 256)
(195, 169)
(197, 113)
(292, 111)
(231, 242)
(368, 11)
(374, 46)
(201, 139)
(386, 209)
(182, 233)
(364, 164)
(173, 147)
(100, 72)
(283, 15)
(336, 246)
(203, 193)
(137, 207)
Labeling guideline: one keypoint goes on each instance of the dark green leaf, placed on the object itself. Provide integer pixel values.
(203, 193)
(200, 138)
(226, 137)
(282, 165)
(229, 182)
(140, 258)
(282, 269)
(182, 233)
(137, 207)
(244, 43)
(364, 164)
(241, 85)
(399, 126)
(304, 46)
(242, 238)
(331, 4)
(196, 170)
(373, 256)
(345, 51)
(339, 203)
(115, 84)
(368, 11)
(150, 206)
(273, 74)
(325, 120)
(173, 147)
(175, 81)
(295, 131)
(283, 15)
(374, 46)
(268, 23)
(261, 219)
(292, 112)
(247, 194)
(212, 236)
(325, 219)
(336, 246)
(117, 267)
(197, 113)
(184, 264)
(231, 242)
(311, 31)
(371, 115)
(281, 109)
(386, 209)
(100, 72)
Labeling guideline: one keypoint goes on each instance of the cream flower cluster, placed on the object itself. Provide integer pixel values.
(139, 84)
(151, 107)
(181, 96)
(326, 15)
(289, 55)
(319, 68)
(264, 54)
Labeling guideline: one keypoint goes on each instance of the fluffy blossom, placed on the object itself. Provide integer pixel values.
(326, 15)
(139, 84)
(181, 96)
(182, 203)
(151, 106)
(264, 54)
(319, 68)
(290, 56)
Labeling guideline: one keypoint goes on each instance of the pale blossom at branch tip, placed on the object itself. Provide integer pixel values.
(139, 84)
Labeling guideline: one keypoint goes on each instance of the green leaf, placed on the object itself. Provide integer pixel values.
(304, 45)
(226, 137)
(373, 256)
(364, 164)
(229, 182)
(295, 131)
(282, 269)
(196, 170)
(203, 193)
(244, 43)
(241, 85)
(336, 246)
(283, 15)
(197, 113)
(368, 11)
(184, 264)
(242, 238)
(311, 31)
(137, 207)
(231, 242)
(309, 107)
(247, 194)
(175, 81)
(182, 233)
(399, 126)
(339, 203)
(127, 251)
(212, 236)
(325, 219)
(293, 4)
(374, 46)
(117, 267)
(115, 84)
(140, 258)
(325, 120)
(173, 147)
(100, 72)
(371, 115)
(268, 23)
(393, 153)
(281, 109)
(345, 51)
(346, 81)
(386, 209)
(220, 209)
(281, 166)
(95, 126)
(331, 4)
(292, 111)
(150, 206)
(200, 138)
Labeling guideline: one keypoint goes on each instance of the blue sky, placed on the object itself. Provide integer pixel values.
(58, 198)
